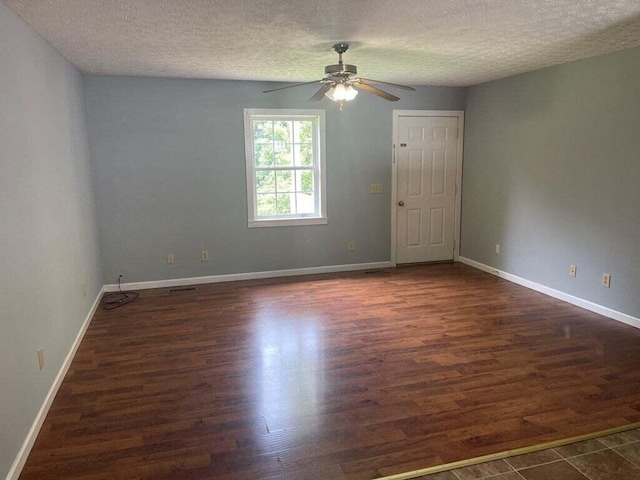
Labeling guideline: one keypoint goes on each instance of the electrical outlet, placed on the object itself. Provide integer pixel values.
(606, 280)
(41, 357)
(171, 259)
(375, 188)
(572, 271)
(205, 255)
(352, 245)
(497, 248)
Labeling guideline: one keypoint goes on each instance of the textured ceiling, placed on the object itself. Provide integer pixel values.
(416, 42)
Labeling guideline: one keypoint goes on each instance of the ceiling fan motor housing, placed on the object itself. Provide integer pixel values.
(341, 69)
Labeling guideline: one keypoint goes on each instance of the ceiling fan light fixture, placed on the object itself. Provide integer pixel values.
(338, 85)
(341, 93)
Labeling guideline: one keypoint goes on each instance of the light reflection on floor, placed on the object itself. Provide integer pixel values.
(290, 378)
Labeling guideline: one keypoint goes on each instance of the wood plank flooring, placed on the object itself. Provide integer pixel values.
(343, 376)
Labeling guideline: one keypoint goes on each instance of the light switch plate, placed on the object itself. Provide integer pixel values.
(375, 188)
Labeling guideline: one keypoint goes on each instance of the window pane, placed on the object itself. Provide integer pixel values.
(306, 155)
(266, 204)
(284, 181)
(282, 131)
(304, 180)
(304, 131)
(263, 154)
(262, 131)
(266, 181)
(283, 154)
(305, 202)
(284, 204)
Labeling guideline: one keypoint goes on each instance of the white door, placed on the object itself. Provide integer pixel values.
(427, 153)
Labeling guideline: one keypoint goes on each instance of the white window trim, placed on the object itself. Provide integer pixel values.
(319, 145)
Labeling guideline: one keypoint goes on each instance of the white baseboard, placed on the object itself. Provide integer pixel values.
(234, 277)
(27, 445)
(580, 302)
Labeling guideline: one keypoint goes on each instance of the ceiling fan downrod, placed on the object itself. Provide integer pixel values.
(340, 69)
(340, 48)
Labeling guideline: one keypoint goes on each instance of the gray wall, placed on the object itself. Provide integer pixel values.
(48, 241)
(552, 173)
(169, 174)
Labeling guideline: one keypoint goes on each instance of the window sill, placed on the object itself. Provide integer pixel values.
(288, 222)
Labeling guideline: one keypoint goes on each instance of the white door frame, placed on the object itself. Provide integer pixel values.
(394, 173)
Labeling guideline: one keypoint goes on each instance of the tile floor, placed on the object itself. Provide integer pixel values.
(612, 457)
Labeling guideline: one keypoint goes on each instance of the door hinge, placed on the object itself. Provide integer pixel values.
(454, 245)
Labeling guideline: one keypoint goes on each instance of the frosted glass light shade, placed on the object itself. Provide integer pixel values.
(350, 93)
(340, 93)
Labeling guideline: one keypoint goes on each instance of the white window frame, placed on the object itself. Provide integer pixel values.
(320, 215)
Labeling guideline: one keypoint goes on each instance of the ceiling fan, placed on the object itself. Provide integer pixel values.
(342, 85)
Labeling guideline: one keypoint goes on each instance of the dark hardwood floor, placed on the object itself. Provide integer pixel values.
(343, 376)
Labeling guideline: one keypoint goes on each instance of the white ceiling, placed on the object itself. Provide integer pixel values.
(415, 42)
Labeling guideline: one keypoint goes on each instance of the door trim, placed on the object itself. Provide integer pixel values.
(459, 114)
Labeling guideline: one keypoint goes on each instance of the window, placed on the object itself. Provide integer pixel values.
(285, 167)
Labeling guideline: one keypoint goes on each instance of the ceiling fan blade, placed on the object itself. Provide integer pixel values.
(397, 85)
(376, 91)
(291, 86)
(320, 93)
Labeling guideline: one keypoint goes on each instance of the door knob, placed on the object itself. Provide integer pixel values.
(401, 203)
